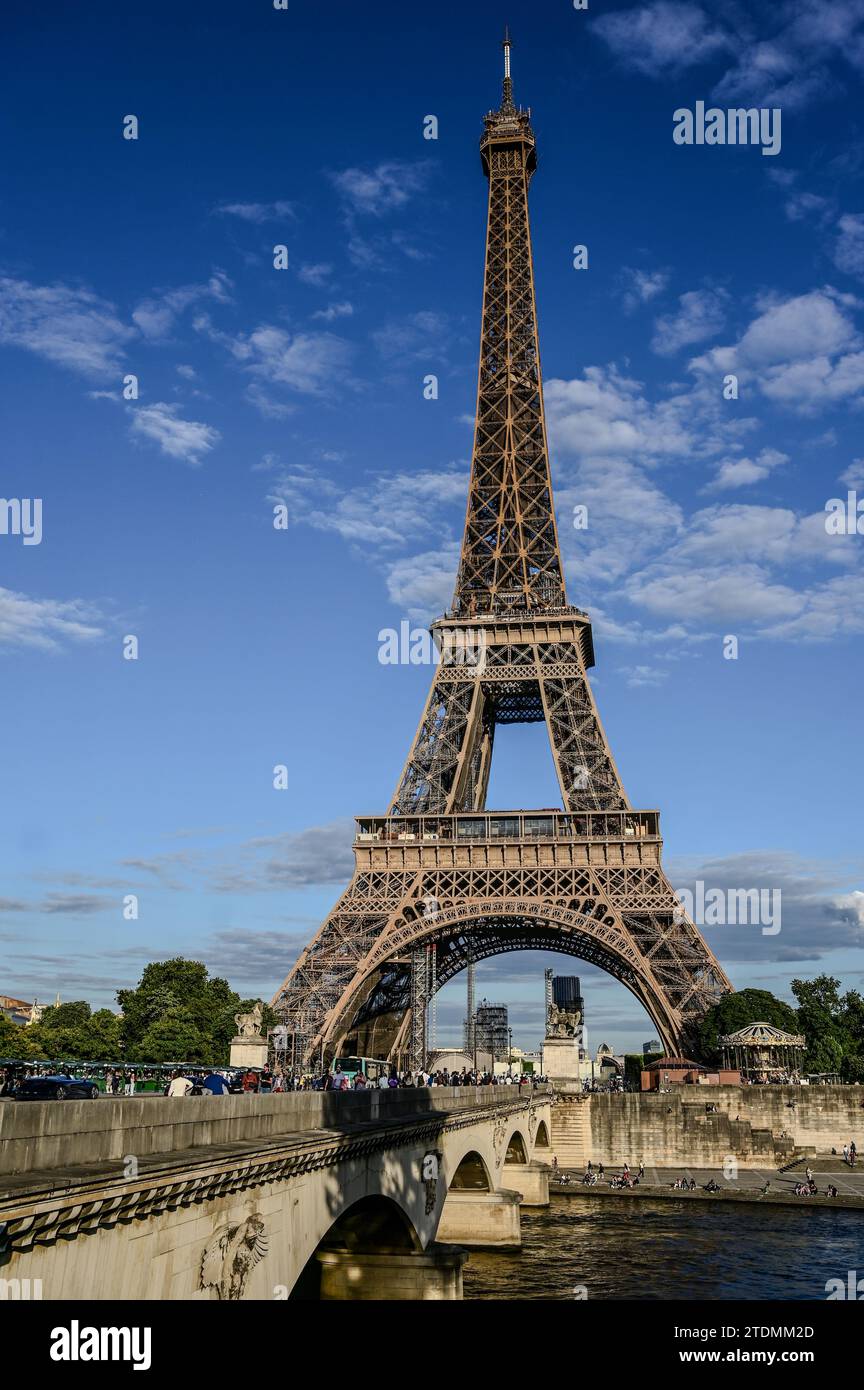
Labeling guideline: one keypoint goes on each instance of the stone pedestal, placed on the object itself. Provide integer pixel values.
(248, 1052)
(532, 1180)
(434, 1274)
(482, 1219)
(561, 1059)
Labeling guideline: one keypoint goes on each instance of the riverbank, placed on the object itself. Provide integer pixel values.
(842, 1202)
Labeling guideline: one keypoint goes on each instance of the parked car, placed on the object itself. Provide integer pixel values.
(56, 1088)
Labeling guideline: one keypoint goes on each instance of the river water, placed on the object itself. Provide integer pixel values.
(641, 1249)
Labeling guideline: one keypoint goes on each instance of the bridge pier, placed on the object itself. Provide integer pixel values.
(532, 1180)
(435, 1274)
(482, 1219)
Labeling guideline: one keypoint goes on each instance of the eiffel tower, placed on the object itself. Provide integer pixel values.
(440, 881)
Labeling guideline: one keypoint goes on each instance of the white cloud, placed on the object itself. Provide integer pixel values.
(802, 351)
(417, 335)
(741, 472)
(257, 212)
(67, 325)
(606, 412)
(788, 64)
(182, 439)
(854, 475)
(641, 286)
(385, 512)
(702, 314)
(666, 37)
(422, 585)
(715, 596)
(309, 363)
(802, 205)
(852, 903)
(315, 274)
(644, 675)
(156, 316)
(629, 518)
(46, 624)
(380, 190)
(849, 247)
(342, 310)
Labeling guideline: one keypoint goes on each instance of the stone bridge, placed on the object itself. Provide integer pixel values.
(307, 1195)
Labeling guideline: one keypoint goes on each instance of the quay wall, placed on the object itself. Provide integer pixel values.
(760, 1126)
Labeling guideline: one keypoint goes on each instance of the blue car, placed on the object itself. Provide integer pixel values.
(56, 1088)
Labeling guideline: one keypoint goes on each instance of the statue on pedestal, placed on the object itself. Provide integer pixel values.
(562, 1024)
(248, 1048)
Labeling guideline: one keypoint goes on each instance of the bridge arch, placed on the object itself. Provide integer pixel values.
(471, 1174)
(475, 931)
(541, 1138)
(517, 1150)
(374, 1225)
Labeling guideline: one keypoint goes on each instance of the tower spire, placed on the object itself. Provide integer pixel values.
(507, 92)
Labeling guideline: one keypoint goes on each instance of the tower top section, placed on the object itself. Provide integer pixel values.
(510, 563)
(509, 124)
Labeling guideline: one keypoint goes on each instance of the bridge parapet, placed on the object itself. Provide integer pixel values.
(39, 1135)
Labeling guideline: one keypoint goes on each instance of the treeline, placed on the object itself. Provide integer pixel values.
(176, 1013)
(832, 1024)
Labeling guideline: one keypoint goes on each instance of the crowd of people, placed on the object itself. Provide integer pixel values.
(193, 1081)
(391, 1078)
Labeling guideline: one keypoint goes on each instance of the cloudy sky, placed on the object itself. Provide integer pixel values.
(259, 386)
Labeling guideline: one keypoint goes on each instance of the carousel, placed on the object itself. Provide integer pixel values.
(763, 1053)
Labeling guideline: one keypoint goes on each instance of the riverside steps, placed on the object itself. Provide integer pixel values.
(763, 1128)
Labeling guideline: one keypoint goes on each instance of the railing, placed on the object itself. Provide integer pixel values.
(510, 610)
(519, 825)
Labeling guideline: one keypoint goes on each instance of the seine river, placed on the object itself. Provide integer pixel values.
(665, 1249)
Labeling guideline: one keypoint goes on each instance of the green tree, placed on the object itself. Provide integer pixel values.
(735, 1011)
(14, 1040)
(174, 1037)
(72, 1032)
(821, 1020)
(177, 1013)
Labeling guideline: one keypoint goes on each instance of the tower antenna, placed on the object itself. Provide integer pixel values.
(507, 102)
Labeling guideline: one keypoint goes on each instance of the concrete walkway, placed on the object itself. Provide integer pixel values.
(657, 1182)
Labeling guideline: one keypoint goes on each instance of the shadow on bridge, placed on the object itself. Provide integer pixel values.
(386, 1238)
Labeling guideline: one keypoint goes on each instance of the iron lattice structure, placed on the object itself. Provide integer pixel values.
(438, 870)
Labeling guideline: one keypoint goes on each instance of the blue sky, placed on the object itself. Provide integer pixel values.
(258, 386)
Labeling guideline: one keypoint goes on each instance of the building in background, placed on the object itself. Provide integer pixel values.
(654, 1048)
(492, 1030)
(567, 995)
(469, 1041)
(20, 1011)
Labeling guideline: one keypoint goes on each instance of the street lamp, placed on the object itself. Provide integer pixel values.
(509, 1051)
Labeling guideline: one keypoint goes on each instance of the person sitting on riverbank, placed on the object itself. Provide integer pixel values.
(830, 1190)
(712, 1186)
